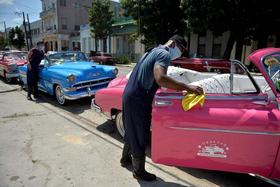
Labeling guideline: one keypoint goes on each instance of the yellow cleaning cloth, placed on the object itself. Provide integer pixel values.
(190, 100)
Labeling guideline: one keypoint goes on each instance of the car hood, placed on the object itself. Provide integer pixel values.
(21, 62)
(120, 81)
(83, 70)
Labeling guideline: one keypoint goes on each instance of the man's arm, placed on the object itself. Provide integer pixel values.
(165, 81)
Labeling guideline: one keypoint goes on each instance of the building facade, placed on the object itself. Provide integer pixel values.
(61, 20)
(119, 42)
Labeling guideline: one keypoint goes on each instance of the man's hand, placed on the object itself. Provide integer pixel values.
(194, 89)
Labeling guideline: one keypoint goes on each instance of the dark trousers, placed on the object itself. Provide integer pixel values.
(32, 82)
(137, 121)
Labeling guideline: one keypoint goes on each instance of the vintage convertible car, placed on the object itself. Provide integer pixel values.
(70, 76)
(9, 63)
(237, 129)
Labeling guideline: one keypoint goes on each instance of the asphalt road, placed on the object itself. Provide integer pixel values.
(32, 154)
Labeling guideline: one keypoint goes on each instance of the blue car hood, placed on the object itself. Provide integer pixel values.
(83, 70)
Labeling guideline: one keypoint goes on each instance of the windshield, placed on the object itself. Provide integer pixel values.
(272, 66)
(67, 56)
(16, 56)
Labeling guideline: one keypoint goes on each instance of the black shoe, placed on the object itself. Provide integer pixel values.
(126, 159)
(139, 171)
(37, 97)
(29, 98)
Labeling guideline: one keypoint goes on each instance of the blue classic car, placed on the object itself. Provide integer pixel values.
(70, 76)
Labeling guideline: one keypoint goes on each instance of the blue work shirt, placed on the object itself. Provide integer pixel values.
(158, 55)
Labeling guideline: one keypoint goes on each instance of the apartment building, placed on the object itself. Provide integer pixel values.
(118, 43)
(61, 20)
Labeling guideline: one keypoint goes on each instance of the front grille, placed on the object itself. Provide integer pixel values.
(92, 83)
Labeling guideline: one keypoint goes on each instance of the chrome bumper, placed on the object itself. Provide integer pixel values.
(12, 75)
(95, 107)
(75, 96)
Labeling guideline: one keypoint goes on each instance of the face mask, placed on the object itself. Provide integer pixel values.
(175, 52)
(41, 47)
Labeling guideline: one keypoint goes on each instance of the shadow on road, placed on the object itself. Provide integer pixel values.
(219, 178)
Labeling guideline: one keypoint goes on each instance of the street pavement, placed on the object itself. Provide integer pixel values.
(43, 144)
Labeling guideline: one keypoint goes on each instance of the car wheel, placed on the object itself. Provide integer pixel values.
(8, 80)
(217, 70)
(60, 95)
(119, 124)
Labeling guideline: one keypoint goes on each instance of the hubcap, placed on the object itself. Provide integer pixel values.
(59, 95)
(119, 123)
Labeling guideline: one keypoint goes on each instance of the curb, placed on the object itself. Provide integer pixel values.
(126, 65)
(6, 87)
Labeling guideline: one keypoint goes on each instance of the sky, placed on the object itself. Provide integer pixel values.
(8, 9)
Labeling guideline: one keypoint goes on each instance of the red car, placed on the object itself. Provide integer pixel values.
(102, 58)
(203, 64)
(237, 129)
(9, 62)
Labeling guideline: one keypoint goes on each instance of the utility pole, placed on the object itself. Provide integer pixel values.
(6, 35)
(25, 31)
(30, 34)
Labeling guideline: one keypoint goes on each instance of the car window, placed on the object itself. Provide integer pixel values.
(272, 66)
(241, 82)
(12, 56)
(67, 56)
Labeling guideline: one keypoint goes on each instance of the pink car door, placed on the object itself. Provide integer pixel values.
(237, 131)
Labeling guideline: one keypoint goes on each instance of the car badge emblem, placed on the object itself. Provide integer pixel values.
(94, 74)
(213, 149)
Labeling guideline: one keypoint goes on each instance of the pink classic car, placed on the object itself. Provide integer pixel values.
(237, 129)
(9, 62)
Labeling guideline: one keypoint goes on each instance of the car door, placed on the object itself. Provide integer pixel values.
(237, 131)
(44, 79)
(2, 65)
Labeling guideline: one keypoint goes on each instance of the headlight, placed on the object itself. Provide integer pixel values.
(115, 71)
(71, 78)
(12, 67)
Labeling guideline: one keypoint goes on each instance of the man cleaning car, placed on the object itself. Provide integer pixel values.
(148, 75)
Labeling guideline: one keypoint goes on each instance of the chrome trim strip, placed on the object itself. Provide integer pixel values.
(90, 85)
(225, 131)
(81, 82)
(209, 97)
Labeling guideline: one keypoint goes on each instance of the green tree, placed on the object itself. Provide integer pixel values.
(3, 43)
(16, 37)
(100, 20)
(157, 20)
(246, 20)
(220, 16)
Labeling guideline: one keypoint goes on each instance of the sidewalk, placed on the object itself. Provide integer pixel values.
(6, 87)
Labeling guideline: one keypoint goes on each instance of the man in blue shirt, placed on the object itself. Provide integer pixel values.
(35, 55)
(145, 79)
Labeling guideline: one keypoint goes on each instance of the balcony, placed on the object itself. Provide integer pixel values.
(47, 13)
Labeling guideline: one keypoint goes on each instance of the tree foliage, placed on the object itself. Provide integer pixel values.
(100, 19)
(157, 20)
(16, 37)
(3, 43)
(250, 19)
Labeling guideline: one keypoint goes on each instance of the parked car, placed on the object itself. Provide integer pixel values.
(237, 129)
(9, 63)
(70, 76)
(203, 64)
(102, 58)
